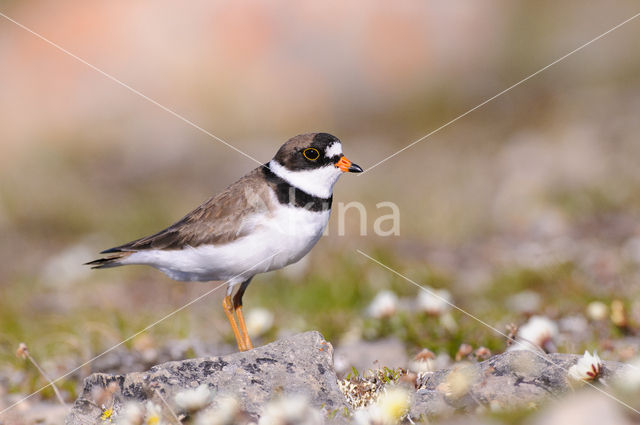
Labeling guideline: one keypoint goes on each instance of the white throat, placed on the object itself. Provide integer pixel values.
(318, 182)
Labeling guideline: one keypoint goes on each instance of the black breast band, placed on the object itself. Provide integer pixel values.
(288, 194)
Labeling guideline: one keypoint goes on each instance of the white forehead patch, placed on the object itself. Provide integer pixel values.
(333, 149)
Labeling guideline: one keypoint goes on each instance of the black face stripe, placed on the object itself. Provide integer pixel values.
(312, 154)
(288, 194)
(322, 141)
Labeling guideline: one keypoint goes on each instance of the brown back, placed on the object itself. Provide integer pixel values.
(221, 219)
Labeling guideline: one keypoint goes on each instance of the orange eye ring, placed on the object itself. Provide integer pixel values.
(312, 154)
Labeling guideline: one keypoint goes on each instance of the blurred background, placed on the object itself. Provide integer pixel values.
(527, 206)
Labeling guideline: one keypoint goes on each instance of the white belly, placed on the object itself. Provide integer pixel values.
(276, 241)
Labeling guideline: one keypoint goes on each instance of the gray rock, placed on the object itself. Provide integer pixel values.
(430, 403)
(300, 365)
(505, 381)
(585, 408)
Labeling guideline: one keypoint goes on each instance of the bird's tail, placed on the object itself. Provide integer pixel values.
(106, 262)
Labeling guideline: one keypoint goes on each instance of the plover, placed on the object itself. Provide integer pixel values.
(268, 219)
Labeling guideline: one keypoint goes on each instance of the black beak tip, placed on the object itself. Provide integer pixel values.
(354, 168)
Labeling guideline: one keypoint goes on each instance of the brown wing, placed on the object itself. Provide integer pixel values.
(219, 220)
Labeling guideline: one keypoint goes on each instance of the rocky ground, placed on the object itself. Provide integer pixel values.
(294, 381)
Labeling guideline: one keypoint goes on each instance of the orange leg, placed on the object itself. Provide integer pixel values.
(227, 304)
(243, 329)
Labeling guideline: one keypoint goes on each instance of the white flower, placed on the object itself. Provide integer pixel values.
(290, 410)
(154, 413)
(192, 400)
(423, 362)
(394, 404)
(597, 310)
(587, 368)
(259, 321)
(389, 408)
(225, 413)
(539, 330)
(434, 301)
(459, 381)
(385, 304)
(131, 414)
(366, 416)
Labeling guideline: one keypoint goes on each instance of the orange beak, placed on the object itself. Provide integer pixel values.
(347, 166)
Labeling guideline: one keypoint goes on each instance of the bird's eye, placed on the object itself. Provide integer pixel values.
(311, 154)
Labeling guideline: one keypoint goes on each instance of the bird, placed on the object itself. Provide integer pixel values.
(266, 220)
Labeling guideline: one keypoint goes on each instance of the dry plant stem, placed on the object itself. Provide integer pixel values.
(168, 407)
(53, 385)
